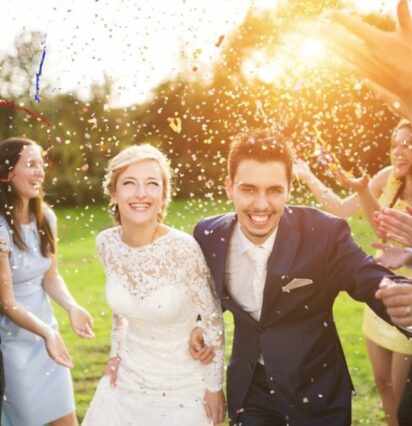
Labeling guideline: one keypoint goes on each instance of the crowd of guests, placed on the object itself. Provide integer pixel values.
(167, 289)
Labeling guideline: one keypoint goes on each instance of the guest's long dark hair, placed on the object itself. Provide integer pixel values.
(11, 203)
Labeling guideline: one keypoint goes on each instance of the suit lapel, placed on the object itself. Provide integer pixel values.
(221, 239)
(280, 261)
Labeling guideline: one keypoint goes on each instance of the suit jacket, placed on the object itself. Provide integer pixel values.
(305, 365)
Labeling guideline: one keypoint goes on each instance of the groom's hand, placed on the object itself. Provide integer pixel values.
(197, 348)
(397, 298)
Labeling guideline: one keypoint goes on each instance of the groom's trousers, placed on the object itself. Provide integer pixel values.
(259, 407)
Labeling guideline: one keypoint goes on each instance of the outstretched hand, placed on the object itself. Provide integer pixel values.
(197, 348)
(383, 58)
(57, 349)
(301, 169)
(350, 182)
(392, 257)
(82, 322)
(395, 225)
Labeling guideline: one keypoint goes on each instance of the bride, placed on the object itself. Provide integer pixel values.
(157, 284)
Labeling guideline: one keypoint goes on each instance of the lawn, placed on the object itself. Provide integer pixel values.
(84, 276)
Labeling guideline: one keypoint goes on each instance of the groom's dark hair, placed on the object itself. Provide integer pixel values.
(259, 145)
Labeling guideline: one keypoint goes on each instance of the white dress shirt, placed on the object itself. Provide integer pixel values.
(240, 270)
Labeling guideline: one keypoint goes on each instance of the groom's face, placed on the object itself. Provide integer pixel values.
(259, 191)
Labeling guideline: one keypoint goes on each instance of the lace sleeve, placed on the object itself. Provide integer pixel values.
(204, 295)
(119, 323)
(119, 329)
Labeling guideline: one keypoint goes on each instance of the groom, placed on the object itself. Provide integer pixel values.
(279, 269)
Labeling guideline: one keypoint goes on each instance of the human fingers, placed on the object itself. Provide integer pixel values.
(398, 238)
(365, 62)
(62, 357)
(57, 349)
(367, 33)
(397, 218)
(404, 18)
(111, 370)
(197, 350)
(379, 246)
(63, 361)
(401, 311)
(207, 355)
(394, 294)
(85, 332)
(208, 410)
(391, 98)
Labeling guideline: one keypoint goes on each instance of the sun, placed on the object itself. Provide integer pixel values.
(312, 50)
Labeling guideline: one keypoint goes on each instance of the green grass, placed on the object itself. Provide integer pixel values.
(84, 276)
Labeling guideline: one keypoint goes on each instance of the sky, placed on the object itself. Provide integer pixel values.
(137, 43)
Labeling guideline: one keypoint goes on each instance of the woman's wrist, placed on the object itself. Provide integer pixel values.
(71, 306)
(46, 332)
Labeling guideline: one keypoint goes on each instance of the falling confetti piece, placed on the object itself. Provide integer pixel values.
(38, 75)
(175, 124)
(220, 40)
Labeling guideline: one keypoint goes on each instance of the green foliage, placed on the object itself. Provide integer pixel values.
(307, 102)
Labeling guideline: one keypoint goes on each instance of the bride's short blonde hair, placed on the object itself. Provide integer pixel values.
(132, 155)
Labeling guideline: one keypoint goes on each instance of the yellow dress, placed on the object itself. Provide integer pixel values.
(375, 328)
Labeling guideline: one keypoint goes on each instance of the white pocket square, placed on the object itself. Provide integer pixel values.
(296, 283)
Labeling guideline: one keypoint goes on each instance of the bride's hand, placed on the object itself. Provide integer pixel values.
(215, 406)
(112, 368)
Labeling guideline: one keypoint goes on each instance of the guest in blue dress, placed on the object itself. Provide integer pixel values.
(38, 387)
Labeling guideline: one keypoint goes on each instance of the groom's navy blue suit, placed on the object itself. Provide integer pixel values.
(304, 362)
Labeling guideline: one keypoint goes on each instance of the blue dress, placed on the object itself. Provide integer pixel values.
(37, 389)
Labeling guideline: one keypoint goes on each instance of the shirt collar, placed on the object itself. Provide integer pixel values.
(245, 244)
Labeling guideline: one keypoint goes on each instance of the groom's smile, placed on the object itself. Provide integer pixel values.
(259, 192)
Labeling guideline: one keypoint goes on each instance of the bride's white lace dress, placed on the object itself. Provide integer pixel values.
(156, 293)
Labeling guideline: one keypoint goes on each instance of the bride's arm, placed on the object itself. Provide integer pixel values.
(119, 329)
(208, 306)
(119, 323)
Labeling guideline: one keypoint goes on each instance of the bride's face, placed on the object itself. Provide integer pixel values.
(139, 193)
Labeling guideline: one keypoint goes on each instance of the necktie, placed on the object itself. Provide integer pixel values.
(259, 257)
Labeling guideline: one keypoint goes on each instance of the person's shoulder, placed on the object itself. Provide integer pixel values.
(4, 226)
(102, 236)
(313, 215)
(182, 236)
(184, 244)
(214, 222)
(3, 221)
(49, 214)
